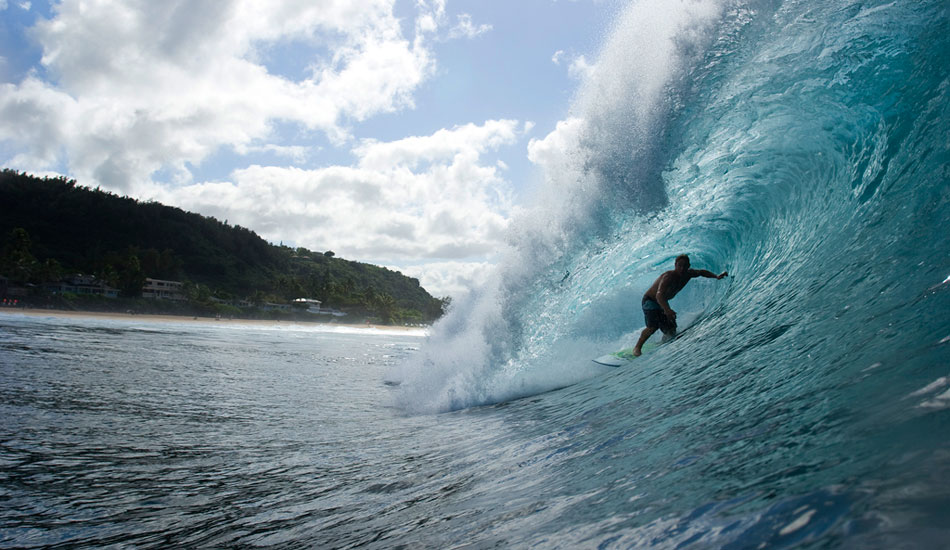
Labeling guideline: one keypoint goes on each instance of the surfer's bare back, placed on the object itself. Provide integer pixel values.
(656, 308)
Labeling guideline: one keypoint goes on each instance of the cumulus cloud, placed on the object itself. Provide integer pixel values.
(449, 278)
(580, 69)
(553, 152)
(131, 89)
(440, 198)
(140, 85)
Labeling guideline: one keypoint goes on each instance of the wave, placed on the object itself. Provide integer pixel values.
(798, 145)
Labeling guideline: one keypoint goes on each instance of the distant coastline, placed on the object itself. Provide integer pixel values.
(148, 257)
(161, 318)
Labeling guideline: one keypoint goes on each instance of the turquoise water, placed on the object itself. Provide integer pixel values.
(802, 146)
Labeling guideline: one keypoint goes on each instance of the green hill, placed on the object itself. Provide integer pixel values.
(52, 226)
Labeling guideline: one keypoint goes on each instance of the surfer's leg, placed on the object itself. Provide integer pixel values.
(653, 319)
(668, 335)
(647, 332)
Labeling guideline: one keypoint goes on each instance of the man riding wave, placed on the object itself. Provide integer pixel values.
(656, 308)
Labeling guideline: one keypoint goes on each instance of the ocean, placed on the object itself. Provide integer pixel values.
(137, 433)
(802, 146)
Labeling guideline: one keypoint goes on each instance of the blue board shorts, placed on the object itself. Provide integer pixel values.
(655, 318)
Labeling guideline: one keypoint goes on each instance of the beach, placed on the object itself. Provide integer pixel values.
(67, 314)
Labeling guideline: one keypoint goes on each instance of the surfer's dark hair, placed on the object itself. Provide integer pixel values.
(681, 257)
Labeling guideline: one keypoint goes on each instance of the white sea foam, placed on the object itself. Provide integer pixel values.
(518, 334)
(799, 522)
(931, 387)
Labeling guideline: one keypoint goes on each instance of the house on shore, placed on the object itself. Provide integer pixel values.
(78, 283)
(307, 304)
(158, 289)
(316, 307)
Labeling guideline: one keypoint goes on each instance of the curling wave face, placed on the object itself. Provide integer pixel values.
(800, 145)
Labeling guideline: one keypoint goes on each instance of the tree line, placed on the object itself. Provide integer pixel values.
(52, 227)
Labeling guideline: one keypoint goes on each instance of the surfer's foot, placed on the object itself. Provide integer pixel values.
(636, 352)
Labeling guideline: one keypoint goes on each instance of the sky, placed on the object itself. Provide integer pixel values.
(404, 133)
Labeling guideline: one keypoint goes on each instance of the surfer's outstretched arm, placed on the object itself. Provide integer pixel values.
(710, 275)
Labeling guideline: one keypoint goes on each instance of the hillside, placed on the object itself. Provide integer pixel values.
(68, 228)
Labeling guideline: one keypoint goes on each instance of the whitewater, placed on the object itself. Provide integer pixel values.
(802, 146)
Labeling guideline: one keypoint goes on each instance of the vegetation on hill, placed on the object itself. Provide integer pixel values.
(52, 227)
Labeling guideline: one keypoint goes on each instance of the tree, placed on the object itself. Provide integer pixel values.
(161, 265)
(50, 270)
(131, 276)
(382, 304)
(18, 261)
(169, 243)
(386, 308)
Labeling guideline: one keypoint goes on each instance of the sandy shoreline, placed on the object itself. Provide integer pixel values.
(35, 312)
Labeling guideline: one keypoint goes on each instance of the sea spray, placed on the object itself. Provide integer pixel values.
(513, 336)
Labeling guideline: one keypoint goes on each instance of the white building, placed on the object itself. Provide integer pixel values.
(310, 305)
(316, 307)
(82, 284)
(164, 290)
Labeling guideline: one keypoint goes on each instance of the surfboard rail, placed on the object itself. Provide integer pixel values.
(622, 357)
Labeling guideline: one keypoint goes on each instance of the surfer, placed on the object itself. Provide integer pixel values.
(656, 308)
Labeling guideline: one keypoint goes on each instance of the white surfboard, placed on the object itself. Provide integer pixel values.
(622, 357)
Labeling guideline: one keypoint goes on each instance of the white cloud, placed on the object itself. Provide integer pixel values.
(449, 278)
(580, 69)
(440, 146)
(431, 17)
(142, 85)
(464, 28)
(38, 118)
(553, 153)
(436, 197)
(134, 88)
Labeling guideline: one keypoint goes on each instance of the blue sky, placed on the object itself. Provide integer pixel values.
(395, 133)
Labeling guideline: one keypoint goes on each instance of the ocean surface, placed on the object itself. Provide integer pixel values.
(137, 433)
(804, 146)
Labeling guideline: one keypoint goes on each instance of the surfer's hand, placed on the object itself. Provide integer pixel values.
(670, 314)
(723, 274)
